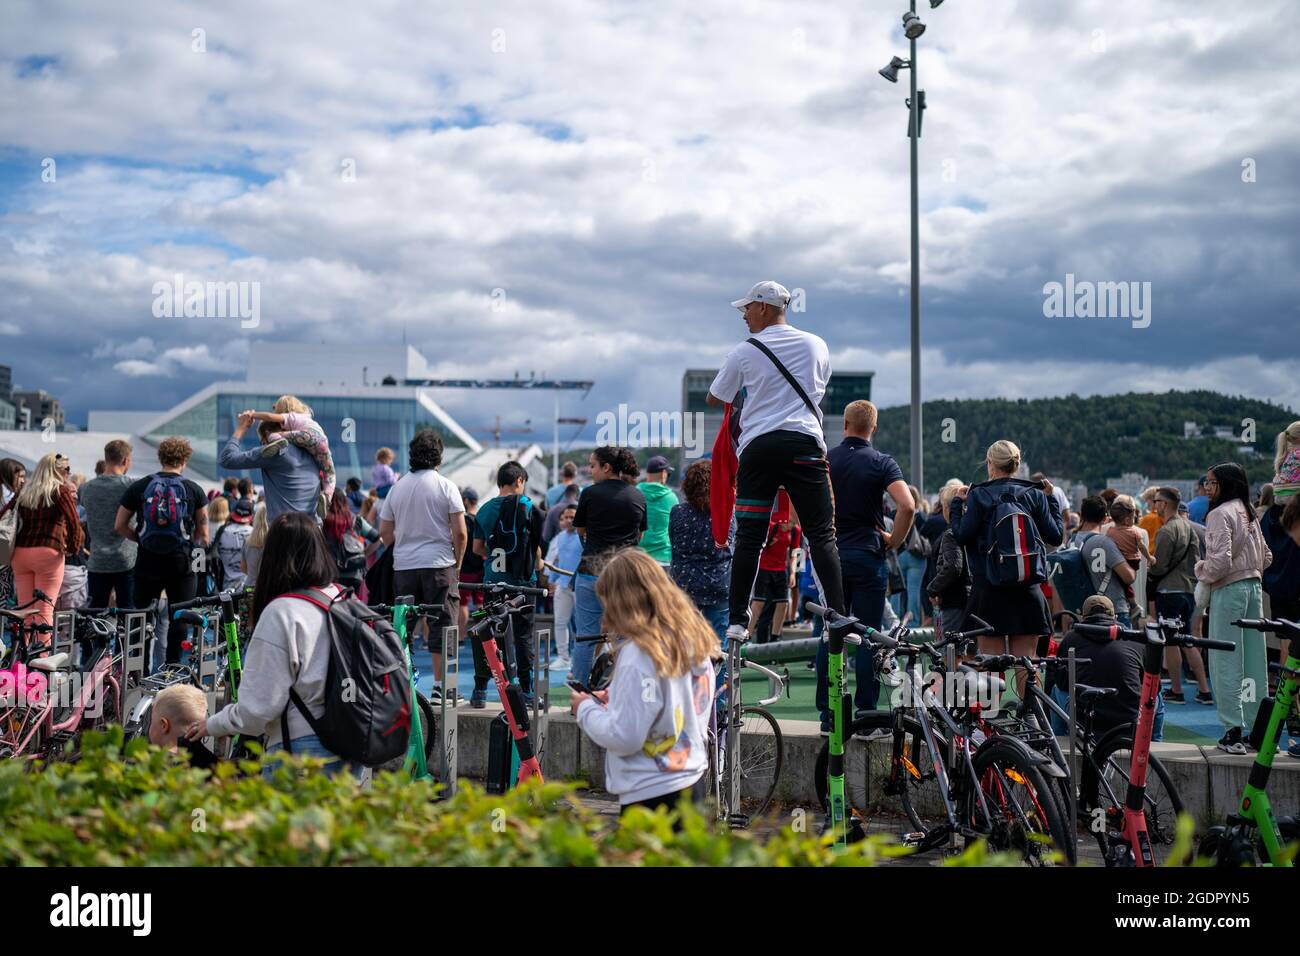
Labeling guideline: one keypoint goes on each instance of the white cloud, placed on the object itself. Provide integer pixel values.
(686, 174)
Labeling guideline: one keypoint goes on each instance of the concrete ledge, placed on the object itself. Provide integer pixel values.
(1209, 780)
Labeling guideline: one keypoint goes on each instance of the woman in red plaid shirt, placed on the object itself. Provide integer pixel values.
(49, 529)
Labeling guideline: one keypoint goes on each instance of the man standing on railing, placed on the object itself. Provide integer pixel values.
(782, 373)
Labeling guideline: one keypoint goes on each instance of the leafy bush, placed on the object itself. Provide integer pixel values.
(143, 806)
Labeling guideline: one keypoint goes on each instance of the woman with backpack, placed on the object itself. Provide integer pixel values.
(653, 718)
(289, 648)
(1236, 555)
(350, 538)
(1003, 524)
(48, 529)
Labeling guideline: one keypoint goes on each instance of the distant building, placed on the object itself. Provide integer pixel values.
(6, 384)
(364, 398)
(844, 387)
(41, 407)
(8, 416)
(1129, 483)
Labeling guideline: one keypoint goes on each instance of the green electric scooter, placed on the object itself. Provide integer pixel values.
(1253, 831)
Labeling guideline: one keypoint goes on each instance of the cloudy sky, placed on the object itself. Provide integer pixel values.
(620, 172)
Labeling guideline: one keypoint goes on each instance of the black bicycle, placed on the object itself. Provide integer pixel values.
(951, 777)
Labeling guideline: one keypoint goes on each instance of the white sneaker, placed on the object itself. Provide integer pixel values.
(876, 733)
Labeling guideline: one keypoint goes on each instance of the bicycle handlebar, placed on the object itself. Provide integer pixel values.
(117, 611)
(1268, 624)
(860, 630)
(1115, 632)
(501, 588)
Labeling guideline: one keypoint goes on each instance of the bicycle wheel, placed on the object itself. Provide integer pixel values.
(857, 766)
(1104, 816)
(762, 752)
(1024, 814)
(914, 776)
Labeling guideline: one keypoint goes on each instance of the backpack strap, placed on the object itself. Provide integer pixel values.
(788, 377)
(303, 595)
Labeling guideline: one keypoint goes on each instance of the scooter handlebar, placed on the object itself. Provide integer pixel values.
(1268, 624)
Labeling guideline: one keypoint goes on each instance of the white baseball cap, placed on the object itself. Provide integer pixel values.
(773, 293)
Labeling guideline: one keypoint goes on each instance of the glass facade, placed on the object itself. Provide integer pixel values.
(356, 427)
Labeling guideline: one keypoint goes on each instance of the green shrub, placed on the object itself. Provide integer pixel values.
(142, 806)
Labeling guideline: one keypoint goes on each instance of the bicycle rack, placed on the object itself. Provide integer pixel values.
(206, 658)
(447, 714)
(65, 626)
(541, 687)
(133, 640)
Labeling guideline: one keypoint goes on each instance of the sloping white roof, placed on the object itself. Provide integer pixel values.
(479, 471)
(83, 449)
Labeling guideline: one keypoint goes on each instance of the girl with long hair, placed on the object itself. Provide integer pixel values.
(49, 529)
(1236, 555)
(653, 718)
(611, 515)
(289, 648)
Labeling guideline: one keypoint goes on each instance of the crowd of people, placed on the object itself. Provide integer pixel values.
(666, 571)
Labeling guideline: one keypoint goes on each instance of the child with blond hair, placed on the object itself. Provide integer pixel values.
(297, 427)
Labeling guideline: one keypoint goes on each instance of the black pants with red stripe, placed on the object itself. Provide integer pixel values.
(793, 461)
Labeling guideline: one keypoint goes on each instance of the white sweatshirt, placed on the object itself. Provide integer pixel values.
(654, 729)
(290, 647)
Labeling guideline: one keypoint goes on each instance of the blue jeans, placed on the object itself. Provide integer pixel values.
(866, 578)
(716, 615)
(311, 746)
(913, 569)
(1063, 699)
(587, 615)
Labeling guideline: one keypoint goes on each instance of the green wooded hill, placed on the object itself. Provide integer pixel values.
(1088, 439)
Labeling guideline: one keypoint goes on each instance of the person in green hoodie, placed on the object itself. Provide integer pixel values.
(660, 501)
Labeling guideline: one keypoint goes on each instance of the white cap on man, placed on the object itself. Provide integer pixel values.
(769, 292)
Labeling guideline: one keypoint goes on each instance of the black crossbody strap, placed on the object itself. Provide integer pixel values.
(788, 377)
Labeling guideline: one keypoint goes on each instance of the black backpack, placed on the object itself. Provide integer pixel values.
(512, 536)
(367, 717)
(349, 554)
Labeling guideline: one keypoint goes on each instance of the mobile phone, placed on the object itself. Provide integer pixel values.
(580, 688)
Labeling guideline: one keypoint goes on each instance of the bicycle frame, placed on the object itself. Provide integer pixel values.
(42, 731)
(729, 742)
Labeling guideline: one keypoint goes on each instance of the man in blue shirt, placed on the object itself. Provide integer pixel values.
(1199, 506)
(517, 536)
(861, 476)
(290, 475)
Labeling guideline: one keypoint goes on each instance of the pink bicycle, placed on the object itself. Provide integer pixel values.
(45, 702)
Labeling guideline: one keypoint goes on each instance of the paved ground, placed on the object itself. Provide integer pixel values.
(777, 817)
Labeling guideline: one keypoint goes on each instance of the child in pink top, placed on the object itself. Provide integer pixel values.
(300, 429)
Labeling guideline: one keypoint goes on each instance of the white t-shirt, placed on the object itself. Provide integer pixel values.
(770, 403)
(420, 506)
(1061, 500)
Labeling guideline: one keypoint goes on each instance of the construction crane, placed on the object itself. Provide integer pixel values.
(531, 382)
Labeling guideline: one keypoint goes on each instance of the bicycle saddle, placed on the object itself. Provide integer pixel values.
(19, 615)
(51, 663)
(1088, 693)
